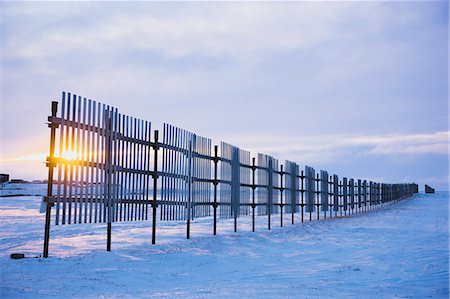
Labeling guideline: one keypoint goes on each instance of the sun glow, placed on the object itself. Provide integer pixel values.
(32, 157)
(69, 155)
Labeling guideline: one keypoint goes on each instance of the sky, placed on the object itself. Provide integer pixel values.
(359, 89)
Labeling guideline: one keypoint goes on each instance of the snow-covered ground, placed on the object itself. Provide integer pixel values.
(400, 251)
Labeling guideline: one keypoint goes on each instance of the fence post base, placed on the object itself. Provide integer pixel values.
(47, 229)
(108, 237)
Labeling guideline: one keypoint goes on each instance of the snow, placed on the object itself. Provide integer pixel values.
(400, 251)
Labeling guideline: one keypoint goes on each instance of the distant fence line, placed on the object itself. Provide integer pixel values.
(106, 167)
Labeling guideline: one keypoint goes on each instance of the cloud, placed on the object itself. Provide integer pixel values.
(211, 30)
(339, 80)
(326, 148)
(434, 143)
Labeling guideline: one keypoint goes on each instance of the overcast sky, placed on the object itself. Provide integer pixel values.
(356, 88)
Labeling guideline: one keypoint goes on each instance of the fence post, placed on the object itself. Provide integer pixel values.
(50, 165)
(270, 193)
(189, 198)
(108, 143)
(281, 195)
(323, 188)
(317, 195)
(340, 198)
(216, 161)
(302, 191)
(155, 186)
(294, 192)
(308, 193)
(253, 194)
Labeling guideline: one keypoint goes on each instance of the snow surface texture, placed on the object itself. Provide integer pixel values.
(400, 251)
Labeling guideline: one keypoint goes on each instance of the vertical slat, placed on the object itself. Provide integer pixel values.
(344, 191)
(365, 193)
(324, 190)
(167, 205)
(203, 176)
(100, 137)
(168, 211)
(60, 167)
(310, 189)
(66, 166)
(103, 174)
(171, 182)
(107, 164)
(359, 194)
(352, 194)
(176, 157)
(170, 153)
(116, 157)
(198, 210)
(172, 172)
(178, 211)
(76, 149)
(135, 164)
(173, 212)
(180, 171)
(123, 178)
(335, 193)
(72, 169)
(136, 167)
(144, 168)
(164, 169)
(148, 138)
(194, 184)
(130, 165)
(97, 160)
(84, 157)
(90, 153)
(210, 167)
(127, 174)
(132, 174)
(139, 175)
(180, 207)
(119, 165)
